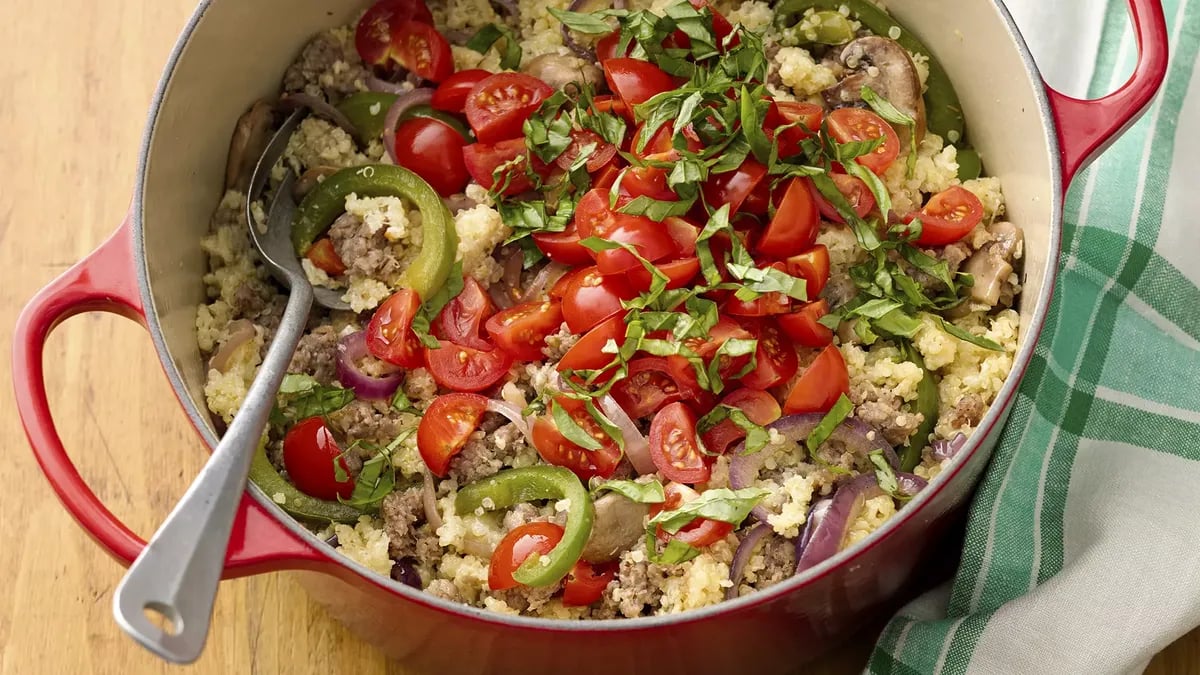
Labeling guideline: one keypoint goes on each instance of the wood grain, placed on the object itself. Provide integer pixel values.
(77, 77)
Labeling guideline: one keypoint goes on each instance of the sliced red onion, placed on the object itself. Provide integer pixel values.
(504, 292)
(741, 557)
(545, 279)
(405, 101)
(458, 202)
(429, 501)
(351, 349)
(830, 518)
(943, 449)
(321, 108)
(405, 571)
(514, 415)
(509, 6)
(858, 437)
(386, 86)
(240, 332)
(637, 448)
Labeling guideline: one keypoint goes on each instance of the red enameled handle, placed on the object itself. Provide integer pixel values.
(106, 281)
(1087, 128)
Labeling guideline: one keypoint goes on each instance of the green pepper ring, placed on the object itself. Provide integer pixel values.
(294, 501)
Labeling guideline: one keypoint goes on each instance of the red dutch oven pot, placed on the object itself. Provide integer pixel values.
(1035, 140)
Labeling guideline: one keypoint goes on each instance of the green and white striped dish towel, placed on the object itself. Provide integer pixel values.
(1082, 551)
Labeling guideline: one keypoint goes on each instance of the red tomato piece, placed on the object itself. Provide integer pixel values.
(462, 368)
(803, 325)
(821, 384)
(608, 103)
(679, 274)
(559, 289)
(555, 449)
(673, 445)
(389, 333)
(593, 297)
(647, 181)
(585, 583)
(373, 35)
(434, 151)
(949, 216)
(775, 360)
(700, 532)
(635, 81)
(419, 48)
(309, 454)
(726, 329)
(812, 266)
(484, 159)
(451, 94)
(498, 106)
(606, 177)
(601, 155)
(683, 233)
(446, 427)
(650, 239)
(856, 192)
(606, 47)
(563, 247)
(847, 125)
(722, 29)
(733, 187)
(767, 304)
(587, 354)
(538, 537)
(461, 320)
(785, 113)
(648, 386)
(795, 225)
(325, 257)
(760, 407)
(522, 330)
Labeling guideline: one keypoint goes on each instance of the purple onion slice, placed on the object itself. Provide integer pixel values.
(351, 349)
(741, 557)
(403, 102)
(947, 449)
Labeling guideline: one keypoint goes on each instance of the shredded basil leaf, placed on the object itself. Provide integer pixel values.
(484, 38)
(825, 428)
(571, 430)
(433, 306)
(965, 335)
(649, 492)
(674, 553)
(721, 504)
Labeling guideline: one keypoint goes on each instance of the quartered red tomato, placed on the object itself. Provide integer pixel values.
(484, 159)
(795, 225)
(812, 266)
(602, 153)
(726, 329)
(309, 454)
(389, 333)
(673, 446)
(563, 247)
(606, 47)
(522, 330)
(821, 384)
(760, 407)
(559, 290)
(775, 360)
(635, 81)
(498, 106)
(585, 583)
(683, 233)
(700, 532)
(451, 94)
(648, 386)
(856, 192)
(325, 257)
(847, 125)
(433, 150)
(461, 320)
(647, 181)
(587, 354)
(465, 369)
(650, 239)
(733, 187)
(949, 216)
(593, 297)
(804, 327)
(555, 449)
(679, 274)
(538, 537)
(446, 427)
(373, 37)
(786, 113)
(766, 304)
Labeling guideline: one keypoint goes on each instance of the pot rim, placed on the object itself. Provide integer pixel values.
(996, 413)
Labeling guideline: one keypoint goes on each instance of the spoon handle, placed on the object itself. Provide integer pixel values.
(176, 575)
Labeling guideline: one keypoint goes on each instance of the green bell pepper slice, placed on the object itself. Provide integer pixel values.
(970, 164)
(296, 502)
(927, 404)
(428, 271)
(514, 486)
(943, 112)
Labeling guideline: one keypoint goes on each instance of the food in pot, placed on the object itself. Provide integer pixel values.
(651, 307)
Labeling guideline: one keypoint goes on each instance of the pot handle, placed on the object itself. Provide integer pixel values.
(1087, 128)
(106, 281)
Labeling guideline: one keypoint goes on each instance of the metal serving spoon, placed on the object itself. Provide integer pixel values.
(176, 575)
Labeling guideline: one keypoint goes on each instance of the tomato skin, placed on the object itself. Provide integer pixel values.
(795, 225)
(433, 151)
(563, 247)
(812, 266)
(707, 347)
(635, 81)
(648, 181)
(820, 385)
(593, 297)
(855, 124)
(602, 155)
(733, 187)
(775, 359)
(853, 189)
(521, 542)
(325, 257)
(700, 532)
(760, 407)
(482, 160)
(373, 35)
(949, 216)
(461, 320)
(673, 445)
(651, 240)
(606, 47)
(462, 368)
(608, 174)
(648, 386)
(559, 290)
(498, 106)
(585, 583)
(684, 234)
(783, 113)
(555, 449)
(679, 274)
(451, 94)
(586, 354)
(522, 330)
(765, 305)
(309, 453)
(446, 427)
(803, 325)
(389, 333)
(419, 47)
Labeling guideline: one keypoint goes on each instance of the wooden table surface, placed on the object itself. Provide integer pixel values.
(76, 77)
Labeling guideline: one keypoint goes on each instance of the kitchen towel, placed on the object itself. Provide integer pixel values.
(1083, 543)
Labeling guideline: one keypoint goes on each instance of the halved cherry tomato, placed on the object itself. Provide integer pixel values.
(820, 385)
(783, 113)
(587, 354)
(679, 274)
(648, 386)
(700, 532)
(795, 225)
(563, 247)
(661, 146)
(555, 449)
(812, 266)
(483, 159)
(803, 325)
(522, 330)
(451, 94)
(949, 216)
(855, 124)
(606, 47)
(325, 258)
(585, 583)
(650, 239)
(601, 155)
(446, 427)
(389, 333)
(433, 150)
(538, 537)
(420, 49)
(461, 320)
(766, 304)
(684, 234)
(673, 446)
(592, 214)
(373, 35)
(647, 181)
(593, 297)
(309, 454)
(853, 189)
(635, 81)
(760, 407)
(559, 290)
(732, 187)
(465, 369)
(775, 360)
(498, 106)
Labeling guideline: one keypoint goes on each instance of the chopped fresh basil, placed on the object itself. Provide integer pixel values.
(886, 475)
(592, 23)
(401, 403)
(298, 383)
(965, 335)
(484, 38)
(649, 492)
(308, 398)
(571, 430)
(825, 428)
(433, 305)
(674, 553)
(721, 504)
(757, 436)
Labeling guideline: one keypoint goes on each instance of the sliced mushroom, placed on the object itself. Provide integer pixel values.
(992, 264)
(618, 525)
(250, 138)
(887, 68)
(239, 333)
(310, 179)
(559, 71)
